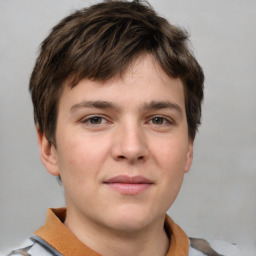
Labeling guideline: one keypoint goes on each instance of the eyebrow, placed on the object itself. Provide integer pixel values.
(157, 105)
(94, 104)
(153, 105)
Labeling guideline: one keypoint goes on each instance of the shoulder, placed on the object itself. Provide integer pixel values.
(201, 247)
(34, 246)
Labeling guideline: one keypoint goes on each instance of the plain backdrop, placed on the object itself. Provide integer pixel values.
(217, 200)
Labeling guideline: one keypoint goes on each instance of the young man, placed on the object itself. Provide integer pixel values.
(117, 101)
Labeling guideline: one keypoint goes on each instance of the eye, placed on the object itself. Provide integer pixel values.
(159, 120)
(94, 120)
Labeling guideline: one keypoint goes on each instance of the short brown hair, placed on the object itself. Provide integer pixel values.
(100, 42)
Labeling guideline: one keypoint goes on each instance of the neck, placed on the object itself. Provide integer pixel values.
(149, 241)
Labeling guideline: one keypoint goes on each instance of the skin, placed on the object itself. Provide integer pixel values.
(111, 128)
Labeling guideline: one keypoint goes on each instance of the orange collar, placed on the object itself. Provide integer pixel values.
(55, 233)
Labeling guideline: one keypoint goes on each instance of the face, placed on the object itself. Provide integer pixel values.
(122, 147)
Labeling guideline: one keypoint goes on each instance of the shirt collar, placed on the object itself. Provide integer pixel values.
(55, 233)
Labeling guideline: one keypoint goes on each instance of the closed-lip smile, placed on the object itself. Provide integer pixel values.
(129, 185)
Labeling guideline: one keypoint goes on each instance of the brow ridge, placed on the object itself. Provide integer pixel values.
(94, 104)
(153, 105)
(157, 105)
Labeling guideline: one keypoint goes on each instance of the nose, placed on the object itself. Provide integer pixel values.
(130, 144)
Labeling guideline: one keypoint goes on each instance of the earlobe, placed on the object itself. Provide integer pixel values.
(48, 153)
(189, 157)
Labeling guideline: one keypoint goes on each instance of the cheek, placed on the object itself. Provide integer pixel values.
(172, 160)
(171, 154)
(76, 171)
(79, 154)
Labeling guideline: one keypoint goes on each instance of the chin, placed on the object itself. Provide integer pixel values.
(132, 219)
(129, 225)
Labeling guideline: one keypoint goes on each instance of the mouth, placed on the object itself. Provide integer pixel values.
(129, 185)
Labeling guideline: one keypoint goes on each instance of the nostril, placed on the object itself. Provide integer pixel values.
(123, 157)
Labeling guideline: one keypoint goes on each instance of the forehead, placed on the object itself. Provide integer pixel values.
(144, 80)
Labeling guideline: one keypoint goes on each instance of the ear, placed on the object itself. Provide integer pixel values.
(189, 156)
(48, 153)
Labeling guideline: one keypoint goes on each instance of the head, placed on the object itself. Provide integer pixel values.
(117, 100)
(102, 42)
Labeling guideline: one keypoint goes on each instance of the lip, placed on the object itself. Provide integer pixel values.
(129, 185)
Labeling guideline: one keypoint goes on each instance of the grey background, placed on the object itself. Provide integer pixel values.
(217, 200)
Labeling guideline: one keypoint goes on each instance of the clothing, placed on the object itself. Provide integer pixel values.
(55, 239)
